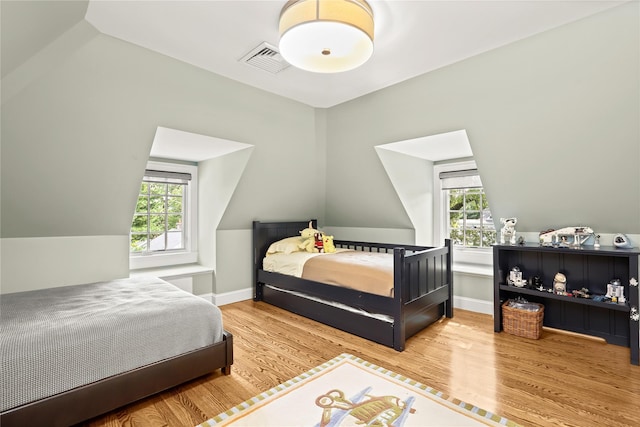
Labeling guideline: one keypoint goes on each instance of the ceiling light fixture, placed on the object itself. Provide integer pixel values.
(326, 36)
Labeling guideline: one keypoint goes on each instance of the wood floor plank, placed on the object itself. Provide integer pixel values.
(558, 380)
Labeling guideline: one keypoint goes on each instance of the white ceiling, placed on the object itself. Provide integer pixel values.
(411, 37)
(180, 145)
(443, 146)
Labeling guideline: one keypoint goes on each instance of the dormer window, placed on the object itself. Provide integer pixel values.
(164, 223)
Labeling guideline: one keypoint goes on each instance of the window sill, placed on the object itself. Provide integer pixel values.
(481, 256)
(473, 269)
(162, 260)
(478, 261)
(172, 272)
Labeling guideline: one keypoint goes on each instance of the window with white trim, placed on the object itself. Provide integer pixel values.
(468, 218)
(164, 224)
(469, 225)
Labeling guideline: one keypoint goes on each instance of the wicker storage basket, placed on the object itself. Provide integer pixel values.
(523, 323)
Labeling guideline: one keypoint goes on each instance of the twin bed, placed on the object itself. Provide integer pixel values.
(419, 290)
(72, 353)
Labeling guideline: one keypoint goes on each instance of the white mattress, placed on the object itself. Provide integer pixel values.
(54, 340)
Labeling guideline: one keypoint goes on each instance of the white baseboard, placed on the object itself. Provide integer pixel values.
(472, 304)
(229, 297)
(209, 297)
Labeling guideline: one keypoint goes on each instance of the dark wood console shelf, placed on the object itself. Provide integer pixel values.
(574, 300)
(584, 267)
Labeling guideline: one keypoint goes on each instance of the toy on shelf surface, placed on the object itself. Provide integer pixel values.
(566, 236)
(622, 241)
(508, 231)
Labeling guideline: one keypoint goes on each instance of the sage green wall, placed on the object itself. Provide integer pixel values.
(18, 18)
(75, 139)
(553, 122)
(78, 121)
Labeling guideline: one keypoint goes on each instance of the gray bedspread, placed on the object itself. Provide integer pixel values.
(53, 340)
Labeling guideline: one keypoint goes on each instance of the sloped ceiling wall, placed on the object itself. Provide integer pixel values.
(553, 122)
(19, 42)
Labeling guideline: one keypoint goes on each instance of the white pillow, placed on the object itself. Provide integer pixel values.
(286, 246)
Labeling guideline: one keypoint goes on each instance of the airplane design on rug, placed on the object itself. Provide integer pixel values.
(366, 409)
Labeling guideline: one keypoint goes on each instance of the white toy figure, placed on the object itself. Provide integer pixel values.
(508, 231)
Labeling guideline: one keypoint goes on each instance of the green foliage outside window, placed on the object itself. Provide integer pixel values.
(158, 217)
(470, 220)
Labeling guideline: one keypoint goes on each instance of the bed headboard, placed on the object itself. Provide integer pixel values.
(265, 233)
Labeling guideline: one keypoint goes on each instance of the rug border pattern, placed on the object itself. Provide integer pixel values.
(464, 406)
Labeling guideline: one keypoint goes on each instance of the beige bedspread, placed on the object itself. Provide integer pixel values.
(370, 272)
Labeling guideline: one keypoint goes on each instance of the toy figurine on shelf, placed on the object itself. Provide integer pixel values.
(535, 282)
(578, 235)
(560, 284)
(615, 291)
(515, 278)
(508, 231)
(621, 241)
(582, 293)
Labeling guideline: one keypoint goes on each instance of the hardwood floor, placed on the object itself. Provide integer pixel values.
(558, 380)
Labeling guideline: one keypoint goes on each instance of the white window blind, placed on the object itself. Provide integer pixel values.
(468, 178)
(166, 177)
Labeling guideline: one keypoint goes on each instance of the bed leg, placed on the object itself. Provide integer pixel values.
(228, 338)
(259, 295)
(448, 308)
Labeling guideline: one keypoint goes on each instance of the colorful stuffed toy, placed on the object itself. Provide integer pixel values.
(318, 242)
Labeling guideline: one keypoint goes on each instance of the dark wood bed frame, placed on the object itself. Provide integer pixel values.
(423, 288)
(85, 402)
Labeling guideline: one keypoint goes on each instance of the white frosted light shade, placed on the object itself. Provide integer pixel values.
(326, 36)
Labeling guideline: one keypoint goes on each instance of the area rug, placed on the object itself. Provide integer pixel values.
(348, 391)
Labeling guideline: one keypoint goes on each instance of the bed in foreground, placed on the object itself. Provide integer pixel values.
(72, 353)
(420, 292)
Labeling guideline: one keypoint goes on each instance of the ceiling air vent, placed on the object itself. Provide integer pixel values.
(265, 57)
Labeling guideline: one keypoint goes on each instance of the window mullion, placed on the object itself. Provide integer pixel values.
(148, 245)
(183, 228)
(464, 217)
(165, 220)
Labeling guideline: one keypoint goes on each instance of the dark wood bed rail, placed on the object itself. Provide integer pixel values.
(423, 288)
(378, 247)
(82, 403)
(358, 299)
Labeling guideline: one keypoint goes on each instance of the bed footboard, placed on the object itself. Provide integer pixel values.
(423, 289)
